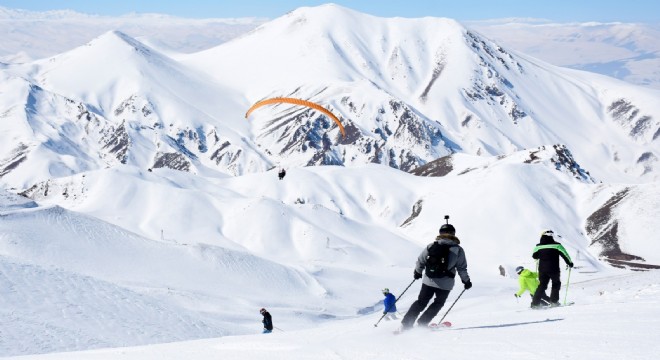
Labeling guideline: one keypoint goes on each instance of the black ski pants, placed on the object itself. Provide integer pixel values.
(425, 295)
(544, 280)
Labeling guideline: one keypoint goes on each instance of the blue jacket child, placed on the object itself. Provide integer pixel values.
(389, 305)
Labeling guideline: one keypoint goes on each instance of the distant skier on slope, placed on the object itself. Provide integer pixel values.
(281, 174)
(548, 251)
(267, 321)
(389, 309)
(529, 281)
(442, 259)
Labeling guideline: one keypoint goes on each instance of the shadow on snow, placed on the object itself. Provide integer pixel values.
(508, 325)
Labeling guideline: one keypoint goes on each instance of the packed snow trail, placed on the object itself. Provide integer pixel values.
(617, 317)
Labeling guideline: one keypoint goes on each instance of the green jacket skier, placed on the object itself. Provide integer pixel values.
(529, 281)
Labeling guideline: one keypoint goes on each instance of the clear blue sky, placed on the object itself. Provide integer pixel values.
(558, 10)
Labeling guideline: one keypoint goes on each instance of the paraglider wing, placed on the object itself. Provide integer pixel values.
(295, 101)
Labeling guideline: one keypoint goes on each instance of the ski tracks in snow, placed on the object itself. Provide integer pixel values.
(51, 310)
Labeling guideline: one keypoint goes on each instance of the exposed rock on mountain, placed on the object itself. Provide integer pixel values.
(602, 226)
(439, 167)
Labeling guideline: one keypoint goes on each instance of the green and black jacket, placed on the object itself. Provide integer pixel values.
(548, 252)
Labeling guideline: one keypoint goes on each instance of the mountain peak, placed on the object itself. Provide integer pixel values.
(116, 40)
(126, 65)
(329, 10)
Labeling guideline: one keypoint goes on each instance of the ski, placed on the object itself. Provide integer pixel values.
(432, 327)
(439, 326)
(553, 306)
(548, 307)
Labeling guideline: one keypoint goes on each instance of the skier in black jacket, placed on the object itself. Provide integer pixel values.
(267, 321)
(547, 252)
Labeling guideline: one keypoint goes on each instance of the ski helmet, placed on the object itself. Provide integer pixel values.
(447, 229)
(386, 290)
(519, 269)
(262, 310)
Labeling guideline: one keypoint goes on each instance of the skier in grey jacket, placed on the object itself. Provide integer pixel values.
(438, 279)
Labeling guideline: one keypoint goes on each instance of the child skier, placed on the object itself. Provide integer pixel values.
(529, 281)
(389, 305)
(267, 321)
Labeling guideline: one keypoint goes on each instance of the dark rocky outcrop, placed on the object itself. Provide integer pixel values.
(174, 161)
(626, 114)
(17, 156)
(416, 210)
(603, 228)
(438, 167)
(117, 142)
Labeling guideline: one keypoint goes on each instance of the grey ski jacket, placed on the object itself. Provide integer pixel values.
(457, 263)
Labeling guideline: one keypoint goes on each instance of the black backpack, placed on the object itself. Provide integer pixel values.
(437, 260)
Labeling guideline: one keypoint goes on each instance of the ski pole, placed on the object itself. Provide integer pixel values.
(278, 329)
(397, 299)
(452, 305)
(568, 281)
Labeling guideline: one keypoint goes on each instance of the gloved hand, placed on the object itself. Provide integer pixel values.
(516, 295)
(467, 284)
(570, 265)
(384, 312)
(417, 275)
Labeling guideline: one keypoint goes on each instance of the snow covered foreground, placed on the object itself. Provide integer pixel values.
(95, 271)
(616, 316)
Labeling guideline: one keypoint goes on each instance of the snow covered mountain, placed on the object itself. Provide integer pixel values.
(408, 91)
(440, 86)
(150, 210)
(626, 51)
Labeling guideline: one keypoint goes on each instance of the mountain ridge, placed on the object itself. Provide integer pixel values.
(393, 95)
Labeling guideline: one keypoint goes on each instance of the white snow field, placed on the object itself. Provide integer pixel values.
(315, 249)
(615, 317)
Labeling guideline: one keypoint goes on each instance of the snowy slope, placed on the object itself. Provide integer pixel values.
(137, 106)
(314, 247)
(142, 293)
(615, 317)
(73, 282)
(309, 199)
